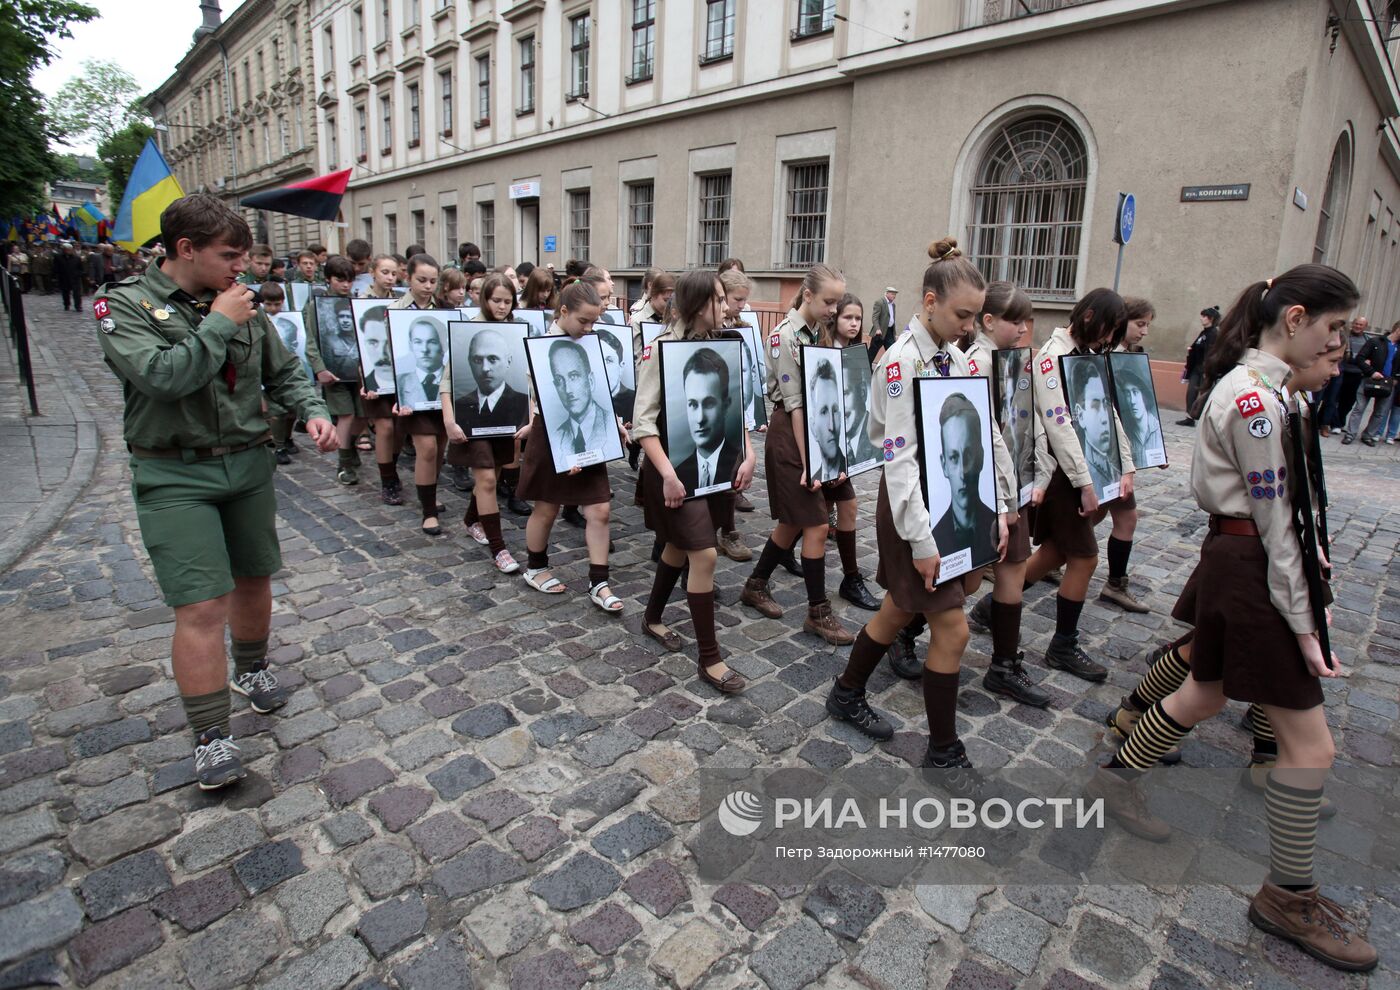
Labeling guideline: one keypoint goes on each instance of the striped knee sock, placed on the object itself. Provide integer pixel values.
(1292, 813)
(1162, 678)
(1155, 733)
(1265, 743)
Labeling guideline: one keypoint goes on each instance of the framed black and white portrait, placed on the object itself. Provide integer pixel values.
(650, 331)
(1015, 398)
(860, 454)
(823, 406)
(1089, 407)
(538, 320)
(622, 372)
(613, 317)
(958, 476)
(469, 312)
(755, 410)
(361, 283)
(335, 336)
(571, 387)
(298, 295)
(372, 334)
(1135, 395)
(702, 395)
(490, 377)
(418, 341)
(292, 330)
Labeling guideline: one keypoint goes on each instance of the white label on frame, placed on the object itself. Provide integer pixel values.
(955, 564)
(1111, 491)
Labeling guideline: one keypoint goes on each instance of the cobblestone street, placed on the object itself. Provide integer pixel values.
(476, 785)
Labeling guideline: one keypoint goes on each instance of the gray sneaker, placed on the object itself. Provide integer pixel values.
(260, 687)
(216, 761)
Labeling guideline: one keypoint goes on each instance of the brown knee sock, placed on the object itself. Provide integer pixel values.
(846, 546)
(427, 498)
(768, 559)
(941, 706)
(389, 475)
(702, 616)
(491, 523)
(814, 575)
(661, 587)
(1006, 629)
(866, 653)
(472, 516)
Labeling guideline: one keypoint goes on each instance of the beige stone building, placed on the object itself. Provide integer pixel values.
(235, 117)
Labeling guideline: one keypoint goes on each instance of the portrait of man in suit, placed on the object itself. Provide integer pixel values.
(855, 387)
(969, 522)
(705, 379)
(376, 360)
(825, 424)
(623, 398)
(587, 424)
(1093, 422)
(493, 408)
(418, 388)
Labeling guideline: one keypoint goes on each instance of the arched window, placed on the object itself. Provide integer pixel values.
(1027, 205)
(1334, 204)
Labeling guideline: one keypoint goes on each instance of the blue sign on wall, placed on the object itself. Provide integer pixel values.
(551, 244)
(1127, 216)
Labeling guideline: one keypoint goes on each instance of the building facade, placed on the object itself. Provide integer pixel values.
(235, 117)
(678, 132)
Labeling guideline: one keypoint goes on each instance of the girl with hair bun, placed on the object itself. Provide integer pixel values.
(1256, 633)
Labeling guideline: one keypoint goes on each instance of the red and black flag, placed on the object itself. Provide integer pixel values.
(315, 199)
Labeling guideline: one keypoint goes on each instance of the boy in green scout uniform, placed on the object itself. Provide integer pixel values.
(194, 357)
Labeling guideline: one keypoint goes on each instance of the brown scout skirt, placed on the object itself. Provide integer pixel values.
(1057, 520)
(788, 502)
(1018, 540)
(1239, 637)
(540, 482)
(380, 408)
(423, 424)
(692, 526)
(487, 453)
(896, 573)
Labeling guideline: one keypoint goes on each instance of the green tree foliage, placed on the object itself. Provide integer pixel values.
(95, 104)
(118, 155)
(28, 31)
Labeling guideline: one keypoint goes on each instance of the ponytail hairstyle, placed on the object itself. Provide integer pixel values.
(1005, 301)
(1098, 319)
(1317, 288)
(419, 261)
(828, 336)
(1214, 313)
(661, 282)
(578, 294)
(950, 268)
(694, 291)
(817, 276)
(1138, 308)
(489, 285)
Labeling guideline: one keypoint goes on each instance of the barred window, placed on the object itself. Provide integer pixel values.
(1334, 201)
(580, 210)
(814, 17)
(486, 232)
(804, 243)
(527, 74)
(1027, 207)
(714, 218)
(641, 200)
(579, 31)
(643, 39)
(719, 29)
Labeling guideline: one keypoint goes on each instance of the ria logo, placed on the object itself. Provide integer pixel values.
(741, 813)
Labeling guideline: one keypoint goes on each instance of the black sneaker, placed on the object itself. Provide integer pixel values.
(574, 517)
(216, 762)
(283, 455)
(979, 617)
(1007, 677)
(391, 494)
(790, 564)
(854, 590)
(1066, 654)
(851, 706)
(953, 771)
(904, 656)
(260, 687)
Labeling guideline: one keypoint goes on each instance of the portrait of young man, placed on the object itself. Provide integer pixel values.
(587, 425)
(1137, 408)
(419, 365)
(619, 367)
(705, 381)
(376, 361)
(969, 522)
(826, 427)
(855, 389)
(336, 327)
(1093, 419)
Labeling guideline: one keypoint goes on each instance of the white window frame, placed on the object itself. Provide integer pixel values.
(445, 97)
(525, 53)
(580, 52)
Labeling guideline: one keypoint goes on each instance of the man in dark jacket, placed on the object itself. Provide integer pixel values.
(1379, 364)
(1194, 371)
(68, 271)
(1340, 394)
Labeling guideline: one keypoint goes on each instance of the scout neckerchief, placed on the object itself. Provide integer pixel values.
(229, 370)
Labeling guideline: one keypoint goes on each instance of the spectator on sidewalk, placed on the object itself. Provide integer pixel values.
(19, 268)
(1341, 390)
(41, 266)
(1196, 361)
(883, 326)
(68, 272)
(1378, 375)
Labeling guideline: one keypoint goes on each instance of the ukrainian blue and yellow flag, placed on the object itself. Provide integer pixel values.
(151, 188)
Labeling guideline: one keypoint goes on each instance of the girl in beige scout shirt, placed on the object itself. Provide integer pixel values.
(1256, 638)
(1064, 513)
(798, 507)
(685, 527)
(379, 411)
(953, 291)
(485, 456)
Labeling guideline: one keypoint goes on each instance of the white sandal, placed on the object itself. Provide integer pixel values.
(505, 563)
(611, 603)
(552, 586)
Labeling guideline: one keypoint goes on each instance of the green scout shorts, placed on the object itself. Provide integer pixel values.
(207, 522)
(343, 399)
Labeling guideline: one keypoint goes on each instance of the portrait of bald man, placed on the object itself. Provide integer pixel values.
(492, 408)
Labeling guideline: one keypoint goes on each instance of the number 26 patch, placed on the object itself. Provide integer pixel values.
(1250, 405)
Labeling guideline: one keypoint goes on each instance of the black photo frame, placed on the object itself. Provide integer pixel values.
(702, 399)
(1089, 407)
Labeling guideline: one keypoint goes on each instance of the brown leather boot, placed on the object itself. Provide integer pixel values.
(1314, 924)
(755, 595)
(1125, 805)
(823, 623)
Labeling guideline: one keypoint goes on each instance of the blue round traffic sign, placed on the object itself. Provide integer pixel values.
(1127, 214)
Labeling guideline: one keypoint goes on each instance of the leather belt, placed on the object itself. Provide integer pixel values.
(198, 453)
(1231, 526)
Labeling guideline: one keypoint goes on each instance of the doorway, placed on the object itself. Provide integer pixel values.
(527, 246)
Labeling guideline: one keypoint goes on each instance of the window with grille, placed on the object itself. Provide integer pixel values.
(486, 232)
(1334, 201)
(579, 29)
(420, 230)
(814, 17)
(641, 205)
(483, 89)
(643, 39)
(391, 231)
(804, 239)
(714, 218)
(445, 93)
(527, 74)
(386, 120)
(1027, 206)
(361, 132)
(580, 209)
(449, 232)
(414, 117)
(719, 30)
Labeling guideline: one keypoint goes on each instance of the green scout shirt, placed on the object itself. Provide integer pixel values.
(173, 371)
